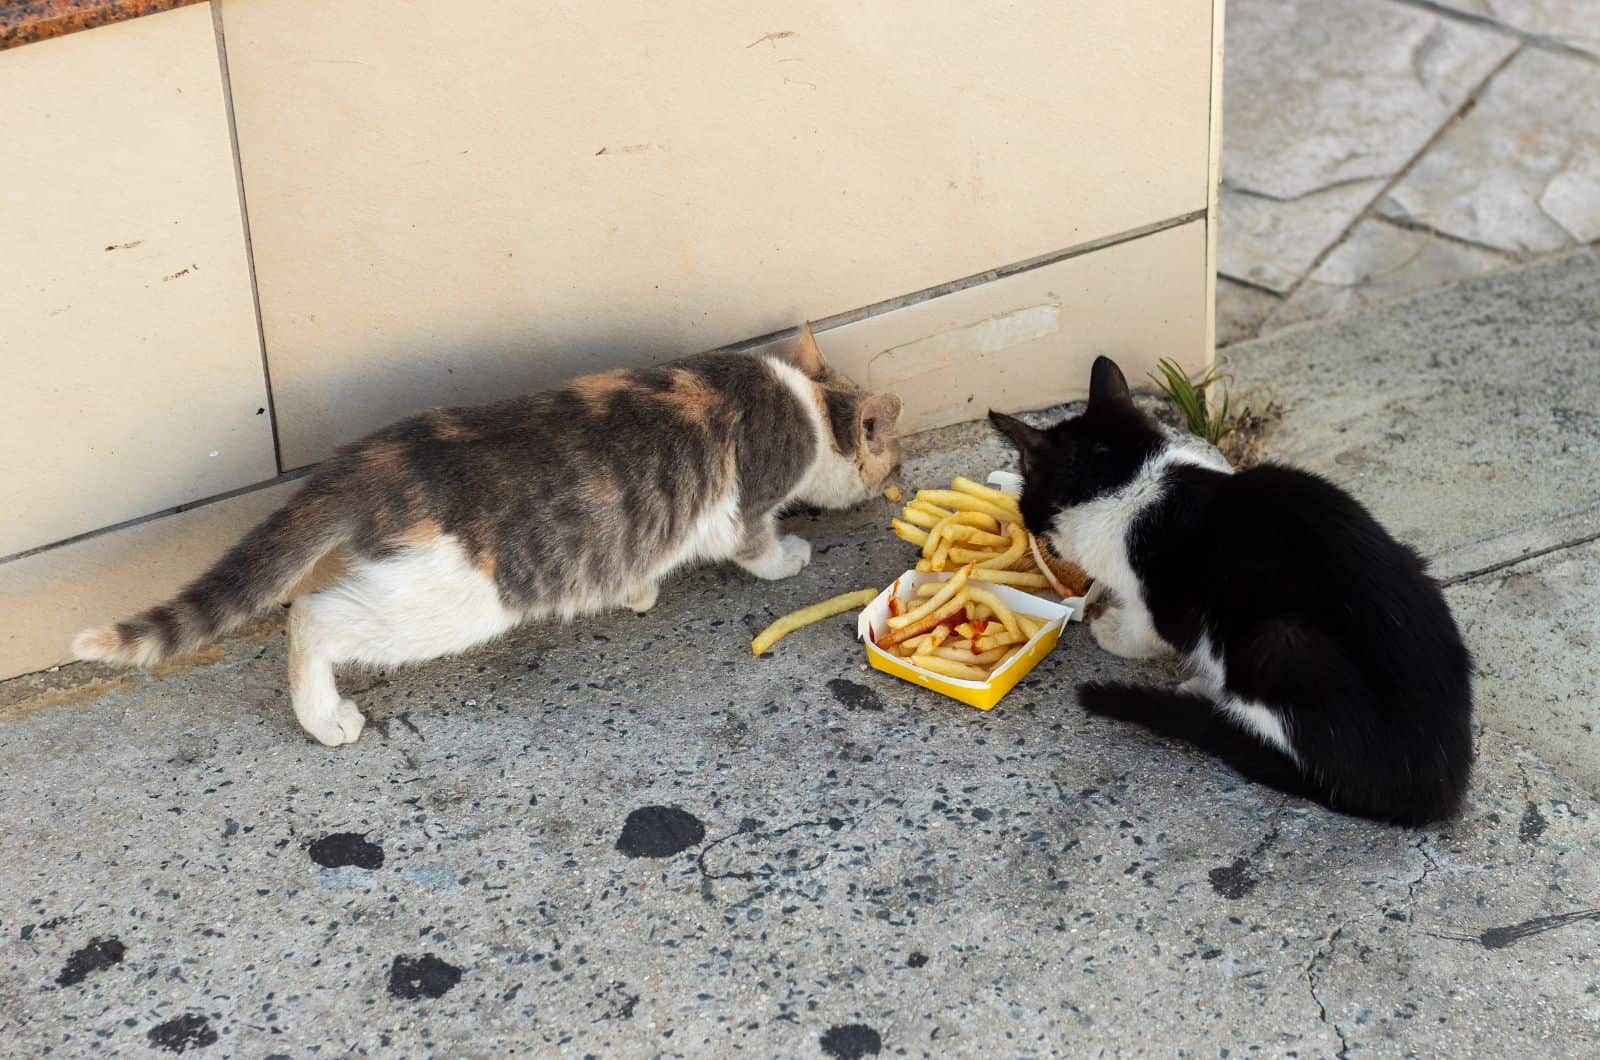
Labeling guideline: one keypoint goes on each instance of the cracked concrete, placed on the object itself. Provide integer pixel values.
(626, 836)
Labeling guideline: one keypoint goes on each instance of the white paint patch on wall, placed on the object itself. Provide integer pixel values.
(955, 347)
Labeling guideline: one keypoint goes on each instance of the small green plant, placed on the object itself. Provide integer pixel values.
(1190, 397)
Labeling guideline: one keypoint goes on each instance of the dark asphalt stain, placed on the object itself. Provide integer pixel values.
(1499, 938)
(659, 832)
(346, 848)
(1233, 881)
(411, 978)
(1533, 824)
(100, 954)
(182, 1033)
(916, 960)
(855, 696)
(851, 1041)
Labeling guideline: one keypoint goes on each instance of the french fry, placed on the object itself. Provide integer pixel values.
(1019, 545)
(906, 532)
(1001, 611)
(966, 502)
(940, 556)
(1015, 578)
(973, 537)
(1044, 568)
(929, 508)
(897, 606)
(986, 493)
(958, 655)
(806, 616)
(1002, 639)
(948, 590)
(922, 625)
(977, 520)
(893, 493)
(918, 517)
(946, 668)
(931, 640)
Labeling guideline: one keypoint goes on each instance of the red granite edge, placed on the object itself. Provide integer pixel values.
(28, 21)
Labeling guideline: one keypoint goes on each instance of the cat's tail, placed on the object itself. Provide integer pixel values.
(1193, 719)
(250, 578)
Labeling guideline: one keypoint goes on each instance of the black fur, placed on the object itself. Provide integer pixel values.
(1316, 612)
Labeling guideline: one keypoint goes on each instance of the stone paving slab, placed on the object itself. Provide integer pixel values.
(1380, 261)
(1521, 172)
(1325, 101)
(1569, 22)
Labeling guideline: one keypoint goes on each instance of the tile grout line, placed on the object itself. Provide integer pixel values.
(848, 317)
(1404, 171)
(1538, 40)
(889, 305)
(177, 509)
(1409, 225)
(244, 221)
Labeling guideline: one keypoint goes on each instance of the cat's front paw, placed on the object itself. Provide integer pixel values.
(1120, 632)
(341, 725)
(796, 555)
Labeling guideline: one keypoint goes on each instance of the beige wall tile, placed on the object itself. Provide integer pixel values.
(47, 597)
(1028, 340)
(132, 376)
(447, 209)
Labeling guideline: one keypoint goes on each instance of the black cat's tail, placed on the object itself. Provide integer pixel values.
(1193, 719)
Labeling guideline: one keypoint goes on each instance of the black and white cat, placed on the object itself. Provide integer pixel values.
(1326, 662)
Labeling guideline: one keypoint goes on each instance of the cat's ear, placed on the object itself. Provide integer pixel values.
(806, 356)
(1107, 384)
(1031, 442)
(879, 413)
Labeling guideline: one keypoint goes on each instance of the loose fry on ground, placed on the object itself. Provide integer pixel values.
(786, 625)
(893, 493)
(947, 668)
(895, 636)
(946, 591)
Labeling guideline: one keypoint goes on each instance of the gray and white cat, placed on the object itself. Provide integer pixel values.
(447, 529)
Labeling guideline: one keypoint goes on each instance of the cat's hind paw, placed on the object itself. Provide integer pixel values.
(643, 600)
(340, 726)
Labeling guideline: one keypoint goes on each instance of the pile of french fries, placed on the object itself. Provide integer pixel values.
(970, 523)
(960, 628)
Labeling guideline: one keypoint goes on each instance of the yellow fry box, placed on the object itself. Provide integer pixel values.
(874, 623)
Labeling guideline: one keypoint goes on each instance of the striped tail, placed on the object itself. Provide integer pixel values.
(249, 579)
